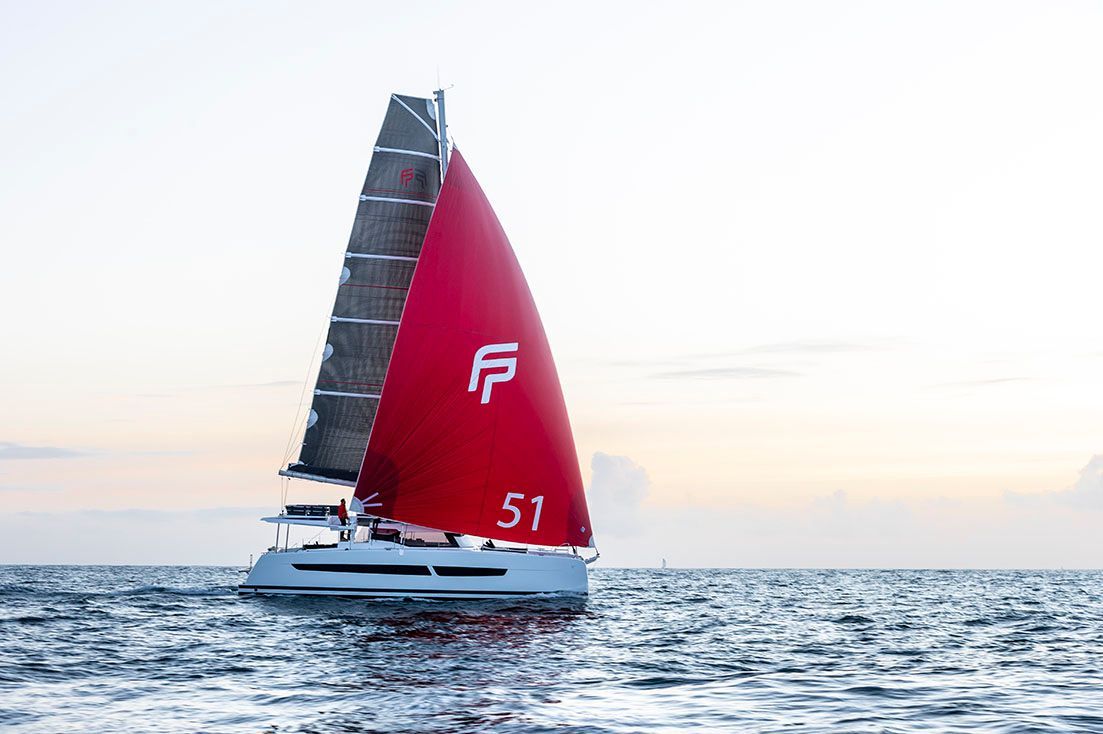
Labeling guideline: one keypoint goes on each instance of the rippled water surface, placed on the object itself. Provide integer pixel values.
(135, 649)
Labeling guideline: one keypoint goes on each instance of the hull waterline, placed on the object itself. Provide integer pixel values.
(369, 570)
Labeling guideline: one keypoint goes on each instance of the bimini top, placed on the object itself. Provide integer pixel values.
(471, 433)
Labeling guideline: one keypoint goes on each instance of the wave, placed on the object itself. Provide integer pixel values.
(154, 589)
(114, 649)
(144, 590)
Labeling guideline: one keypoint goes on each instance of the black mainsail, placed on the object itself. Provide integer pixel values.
(395, 206)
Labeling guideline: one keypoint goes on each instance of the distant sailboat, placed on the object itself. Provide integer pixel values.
(437, 400)
(664, 564)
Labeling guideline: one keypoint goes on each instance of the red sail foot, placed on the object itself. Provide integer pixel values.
(472, 434)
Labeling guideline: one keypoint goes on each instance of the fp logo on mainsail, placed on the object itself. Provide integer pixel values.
(481, 363)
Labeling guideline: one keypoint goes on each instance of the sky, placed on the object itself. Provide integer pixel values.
(822, 280)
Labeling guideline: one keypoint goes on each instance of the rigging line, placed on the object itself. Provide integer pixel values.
(416, 117)
(283, 492)
(302, 396)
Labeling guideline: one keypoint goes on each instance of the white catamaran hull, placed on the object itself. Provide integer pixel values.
(376, 570)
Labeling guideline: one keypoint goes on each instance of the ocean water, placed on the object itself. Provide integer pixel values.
(162, 649)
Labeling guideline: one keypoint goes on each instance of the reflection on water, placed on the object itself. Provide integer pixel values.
(366, 623)
(175, 650)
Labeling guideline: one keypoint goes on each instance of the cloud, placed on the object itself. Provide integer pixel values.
(980, 383)
(227, 535)
(800, 347)
(837, 515)
(1085, 494)
(274, 383)
(30, 488)
(837, 531)
(1088, 490)
(253, 385)
(16, 451)
(617, 489)
(147, 514)
(726, 373)
(805, 347)
(704, 366)
(645, 362)
(1045, 530)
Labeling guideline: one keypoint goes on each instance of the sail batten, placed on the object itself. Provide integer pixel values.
(350, 320)
(379, 262)
(417, 117)
(374, 256)
(392, 200)
(407, 152)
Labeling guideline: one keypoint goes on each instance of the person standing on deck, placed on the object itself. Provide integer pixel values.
(343, 516)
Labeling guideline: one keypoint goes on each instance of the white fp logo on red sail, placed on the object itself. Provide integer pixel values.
(483, 362)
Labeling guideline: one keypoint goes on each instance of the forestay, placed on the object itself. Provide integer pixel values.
(395, 206)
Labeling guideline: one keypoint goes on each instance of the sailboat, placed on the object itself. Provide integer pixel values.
(437, 402)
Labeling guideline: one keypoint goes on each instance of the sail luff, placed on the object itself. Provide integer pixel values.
(395, 205)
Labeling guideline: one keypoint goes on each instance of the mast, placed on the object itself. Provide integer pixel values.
(442, 132)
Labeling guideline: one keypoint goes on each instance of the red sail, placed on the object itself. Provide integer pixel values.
(472, 435)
